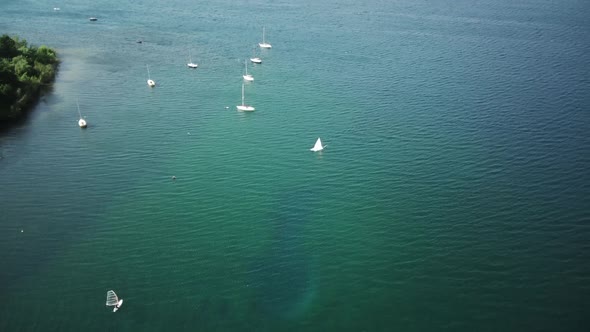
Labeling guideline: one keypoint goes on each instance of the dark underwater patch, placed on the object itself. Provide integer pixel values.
(282, 276)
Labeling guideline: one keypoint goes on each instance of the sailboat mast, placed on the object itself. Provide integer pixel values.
(263, 40)
(78, 104)
(148, 69)
(243, 94)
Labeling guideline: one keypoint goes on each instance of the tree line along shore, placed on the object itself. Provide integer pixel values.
(25, 73)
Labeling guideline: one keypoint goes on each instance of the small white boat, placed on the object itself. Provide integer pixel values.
(254, 58)
(56, 9)
(82, 123)
(246, 76)
(264, 44)
(244, 107)
(114, 301)
(318, 146)
(190, 63)
(93, 19)
(150, 82)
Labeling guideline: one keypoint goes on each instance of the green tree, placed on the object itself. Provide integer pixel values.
(22, 66)
(45, 55)
(8, 47)
(24, 70)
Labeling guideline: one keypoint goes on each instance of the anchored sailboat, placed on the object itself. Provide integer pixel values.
(246, 76)
(244, 107)
(318, 146)
(254, 58)
(150, 82)
(264, 44)
(114, 301)
(190, 64)
(82, 123)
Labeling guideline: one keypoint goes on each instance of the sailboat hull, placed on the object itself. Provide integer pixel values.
(245, 108)
(151, 83)
(119, 304)
(256, 60)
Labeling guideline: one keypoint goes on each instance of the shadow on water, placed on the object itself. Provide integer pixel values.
(282, 277)
(13, 123)
(34, 106)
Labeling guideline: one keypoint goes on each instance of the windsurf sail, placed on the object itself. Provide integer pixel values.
(112, 299)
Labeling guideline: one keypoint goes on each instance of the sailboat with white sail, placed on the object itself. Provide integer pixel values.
(190, 63)
(244, 107)
(114, 301)
(246, 76)
(264, 44)
(150, 82)
(318, 146)
(82, 122)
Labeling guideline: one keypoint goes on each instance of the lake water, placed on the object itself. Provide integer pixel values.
(452, 194)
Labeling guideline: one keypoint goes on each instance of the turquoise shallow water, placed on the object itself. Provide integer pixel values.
(453, 194)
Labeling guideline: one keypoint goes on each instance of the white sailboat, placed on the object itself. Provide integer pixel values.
(246, 76)
(318, 146)
(150, 82)
(244, 107)
(114, 301)
(254, 58)
(264, 44)
(82, 123)
(190, 64)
